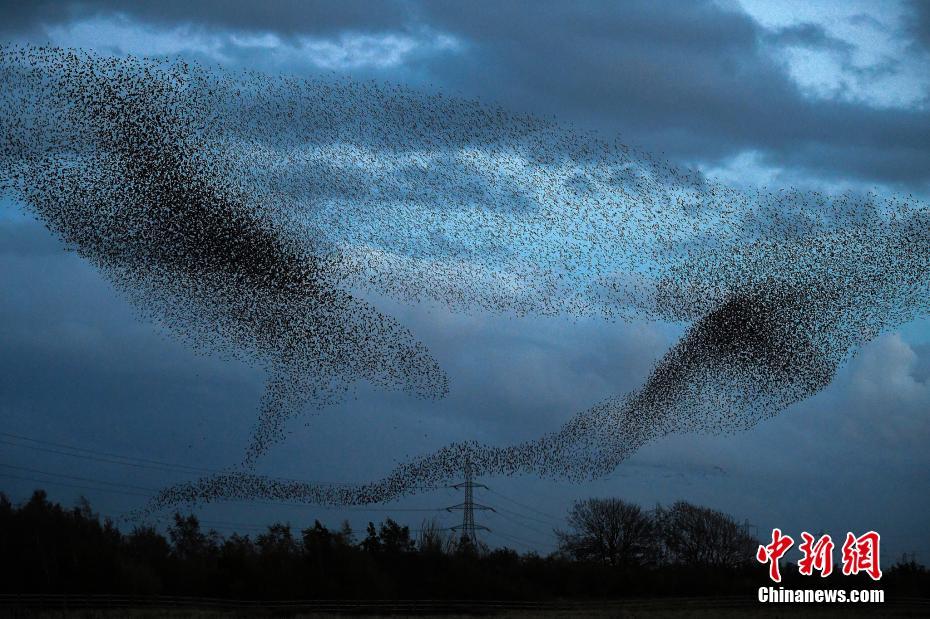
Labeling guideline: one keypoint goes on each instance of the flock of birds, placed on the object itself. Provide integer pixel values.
(251, 215)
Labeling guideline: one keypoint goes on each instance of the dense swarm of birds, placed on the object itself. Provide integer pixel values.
(252, 214)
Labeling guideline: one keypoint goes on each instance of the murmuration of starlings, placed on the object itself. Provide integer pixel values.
(250, 215)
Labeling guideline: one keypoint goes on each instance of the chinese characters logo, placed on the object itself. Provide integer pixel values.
(859, 554)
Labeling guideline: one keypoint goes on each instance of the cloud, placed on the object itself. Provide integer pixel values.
(345, 51)
(701, 82)
(288, 17)
(118, 35)
(808, 35)
(920, 23)
(889, 396)
(354, 51)
(698, 82)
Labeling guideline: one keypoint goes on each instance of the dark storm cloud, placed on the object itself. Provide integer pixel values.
(28, 17)
(920, 22)
(284, 16)
(696, 81)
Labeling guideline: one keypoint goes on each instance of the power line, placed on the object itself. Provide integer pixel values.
(503, 512)
(528, 517)
(67, 485)
(522, 524)
(64, 449)
(557, 519)
(75, 477)
(523, 542)
(160, 519)
(468, 527)
(254, 527)
(507, 538)
(86, 457)
(134, 461)
(151, 491)
(124, 460)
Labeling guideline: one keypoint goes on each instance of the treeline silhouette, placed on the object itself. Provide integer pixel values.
(610, 549)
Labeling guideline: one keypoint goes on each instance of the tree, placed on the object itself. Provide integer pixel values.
(432, 537)
(609, 531)
(146, 544)
(278, 541)
(395, 539)
(700, 536)
(371, 543)
(465, 547)
(345, 536)
(187, 540)
(318, 541)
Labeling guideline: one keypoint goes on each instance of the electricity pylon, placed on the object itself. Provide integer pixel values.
(468, 528)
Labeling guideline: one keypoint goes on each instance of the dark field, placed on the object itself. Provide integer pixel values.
(116, 606)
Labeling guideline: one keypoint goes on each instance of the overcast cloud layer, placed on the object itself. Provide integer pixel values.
(746, 92)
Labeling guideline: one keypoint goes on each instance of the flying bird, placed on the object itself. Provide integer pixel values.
(252, 214)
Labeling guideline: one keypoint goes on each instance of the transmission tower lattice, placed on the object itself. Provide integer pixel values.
(468, 528)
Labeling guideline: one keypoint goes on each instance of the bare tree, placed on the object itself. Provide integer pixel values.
(694, 535)
(432, 537)
(609, 531)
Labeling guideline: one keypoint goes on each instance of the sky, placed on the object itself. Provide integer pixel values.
(828, 95)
